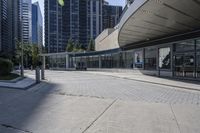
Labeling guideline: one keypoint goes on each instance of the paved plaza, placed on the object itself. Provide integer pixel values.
(85, 102)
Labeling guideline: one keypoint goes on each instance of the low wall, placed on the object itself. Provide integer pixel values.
(107, 41)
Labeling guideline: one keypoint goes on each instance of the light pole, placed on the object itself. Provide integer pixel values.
(22, 50)
(21, 54)
(22, 60)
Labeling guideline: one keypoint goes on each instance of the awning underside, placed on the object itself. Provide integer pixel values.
(160, 18)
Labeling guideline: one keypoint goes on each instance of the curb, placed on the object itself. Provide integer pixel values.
(19, 88)
(13, 81)
(182, 87)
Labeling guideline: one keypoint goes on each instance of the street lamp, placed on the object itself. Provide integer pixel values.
(22, 59)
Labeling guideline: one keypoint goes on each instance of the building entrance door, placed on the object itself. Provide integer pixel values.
(184, 65)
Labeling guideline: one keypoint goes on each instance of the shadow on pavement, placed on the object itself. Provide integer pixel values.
(17, 114)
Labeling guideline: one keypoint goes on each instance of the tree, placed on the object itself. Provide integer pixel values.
(35, 55)
(91, 45)
(70, 46)
(27, 53)
(18, 52)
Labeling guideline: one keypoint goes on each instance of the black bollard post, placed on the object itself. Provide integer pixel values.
(37, 74)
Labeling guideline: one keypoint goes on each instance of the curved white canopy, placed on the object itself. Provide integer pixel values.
(151, 19)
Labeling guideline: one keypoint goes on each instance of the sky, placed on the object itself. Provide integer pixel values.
(111, 2)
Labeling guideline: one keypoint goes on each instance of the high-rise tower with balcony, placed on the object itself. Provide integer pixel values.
(26, 18)
(4, 45)
(79, 20)
(37, 25)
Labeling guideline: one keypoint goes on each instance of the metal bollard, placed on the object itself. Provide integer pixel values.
(37, 74)
(42, 73)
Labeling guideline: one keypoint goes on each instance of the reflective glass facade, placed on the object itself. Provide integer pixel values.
(178, 59)
(4, 46)
(165, 58)
(37, 25)
(79, 20)
(26, 15)
(111, 16)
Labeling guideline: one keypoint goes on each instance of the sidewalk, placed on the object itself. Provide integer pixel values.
(23, 84)
(152, 79)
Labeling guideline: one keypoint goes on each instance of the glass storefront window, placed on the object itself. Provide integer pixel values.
(61, 61)
(164, 58)
(184, 65)
(150, 58)
(138, 59)
(198, 45)
(185, 46)
(93, 62)
(129, 59)
(179, 65)
(115, 60)
(106, 61)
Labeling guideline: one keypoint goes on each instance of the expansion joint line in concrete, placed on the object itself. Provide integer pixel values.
(175, 118)
(109, 106)
(14, 128)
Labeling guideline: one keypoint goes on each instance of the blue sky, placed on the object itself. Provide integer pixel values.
(112, 2)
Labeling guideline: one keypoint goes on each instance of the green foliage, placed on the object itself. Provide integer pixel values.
(18, 52)
(91, 45)
(30, 53)
(70, 46)
(10, 76)
(6, 66)
(35, 55)
(74, 46)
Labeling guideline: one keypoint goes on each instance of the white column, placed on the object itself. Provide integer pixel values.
(67, 61)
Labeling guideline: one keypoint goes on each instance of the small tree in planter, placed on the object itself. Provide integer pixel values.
(91, 45)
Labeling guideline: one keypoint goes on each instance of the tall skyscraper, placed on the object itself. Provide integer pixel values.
(10, 26)
(37, 25)
(26, 15)
(111, 15)
(0, 26)
(14, 21)
(57, 25)
(4, 45)
(95, 17)
(79, 20)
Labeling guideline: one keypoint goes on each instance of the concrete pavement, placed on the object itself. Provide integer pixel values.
(193, 85)
(76, 102)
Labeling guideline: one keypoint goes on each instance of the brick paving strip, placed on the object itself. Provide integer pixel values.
(154, 80)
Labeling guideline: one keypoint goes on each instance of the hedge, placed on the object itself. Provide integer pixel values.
(6, 66)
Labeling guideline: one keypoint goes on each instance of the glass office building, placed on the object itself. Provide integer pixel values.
(10, 27)
(79, 20)
(4, 46)
(37, 26)
(179, 59)
(26, 15)
(111, 15)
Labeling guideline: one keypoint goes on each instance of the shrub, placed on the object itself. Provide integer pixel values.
(6, 66)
